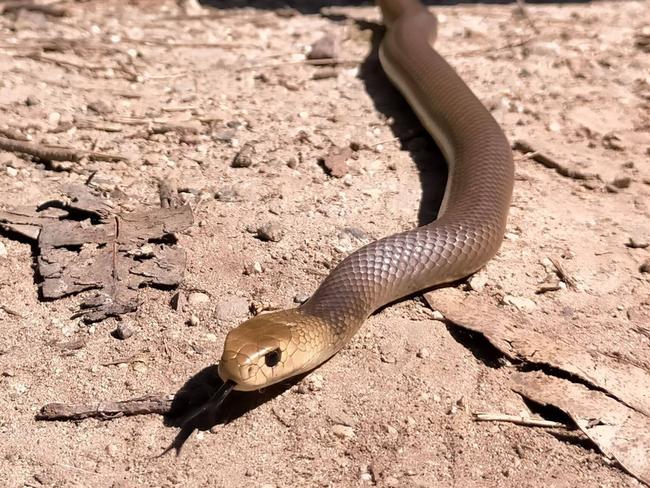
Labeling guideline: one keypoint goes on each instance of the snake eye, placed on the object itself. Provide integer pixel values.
(272, 358)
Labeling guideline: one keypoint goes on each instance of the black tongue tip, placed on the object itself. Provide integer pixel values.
(213, 403)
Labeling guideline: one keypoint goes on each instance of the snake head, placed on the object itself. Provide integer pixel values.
(268, 349)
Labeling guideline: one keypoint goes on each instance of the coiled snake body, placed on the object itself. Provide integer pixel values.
(272, 347)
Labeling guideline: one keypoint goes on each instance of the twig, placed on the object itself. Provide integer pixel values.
(517, 419)
(160, 404)
(209, 16)
(562, 273)
(82, 123)
(163, 43)
(474, 52)
(37, 56)
(312, 62)
(10, 311)
(527, 149)
(49, 153)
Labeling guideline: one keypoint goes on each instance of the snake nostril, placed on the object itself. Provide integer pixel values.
(250, 371)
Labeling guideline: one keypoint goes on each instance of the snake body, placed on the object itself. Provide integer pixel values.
(468, 232)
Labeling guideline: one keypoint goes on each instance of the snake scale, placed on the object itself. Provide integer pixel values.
(469, 229)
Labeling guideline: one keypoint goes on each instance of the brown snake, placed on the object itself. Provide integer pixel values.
(468, 232)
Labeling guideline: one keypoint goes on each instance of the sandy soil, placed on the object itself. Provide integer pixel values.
(394, 408)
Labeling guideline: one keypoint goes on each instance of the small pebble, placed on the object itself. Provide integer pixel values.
(244, 157)
(270, 232)
(253, 269)
(477, 282)
(342, 431)
(301, 297)
(612, 141)
(100, 106)
(227, 194)
(520, 303)
(197, 299)
(178, 301)
(324, 48)
(139, 366)
(365, 477)
(292, 162)
(314, 382)
(224, 135)
(645, 267)
(622, 182)
(54, 118)
(31, 101)
(392, 431)
(423, 353)
(437, 315)
(194, 321)
(123, 331)
(3, 250)
(11, 171)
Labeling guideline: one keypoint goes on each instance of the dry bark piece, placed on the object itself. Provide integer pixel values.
(114, 253)
(26, 222)
(335, 162)
(619, 431)
(514, 337)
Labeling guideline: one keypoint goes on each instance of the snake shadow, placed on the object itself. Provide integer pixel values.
(405, 126)
(198, 392)
(315, 6)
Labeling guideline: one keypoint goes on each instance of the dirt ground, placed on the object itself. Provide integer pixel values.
(395, 407)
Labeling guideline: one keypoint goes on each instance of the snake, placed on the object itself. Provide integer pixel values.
(468, 231)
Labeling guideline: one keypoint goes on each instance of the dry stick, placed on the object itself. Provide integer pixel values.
(312, 62)
(145, 405)
(55, 153)
(517, 419)
(67, 64)
(10, 311)
(485, 50)
(562, 273)
(209, 16)
(527, 149)
(218, 45)
(60, 44)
